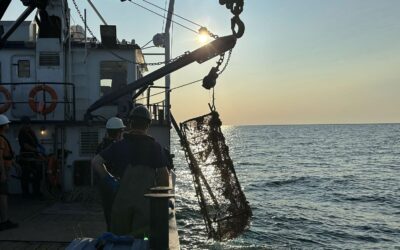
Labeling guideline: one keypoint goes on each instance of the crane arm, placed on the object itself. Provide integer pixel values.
(206, 52)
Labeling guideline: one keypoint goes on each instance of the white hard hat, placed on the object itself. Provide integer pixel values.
(4, 120)
(115, 123)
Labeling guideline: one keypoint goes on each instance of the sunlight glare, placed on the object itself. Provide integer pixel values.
(203, 35)
(203, 38)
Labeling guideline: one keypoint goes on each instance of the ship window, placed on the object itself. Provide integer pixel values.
(24, 69)
(113, 75)
(105, 86)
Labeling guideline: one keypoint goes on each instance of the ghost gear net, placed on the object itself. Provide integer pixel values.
(223, 204)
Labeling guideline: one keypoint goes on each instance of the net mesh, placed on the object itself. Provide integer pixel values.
(222, 202)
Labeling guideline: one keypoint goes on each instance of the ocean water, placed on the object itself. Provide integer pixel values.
(310, 187)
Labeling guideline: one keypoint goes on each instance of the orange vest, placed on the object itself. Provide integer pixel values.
(7, 153)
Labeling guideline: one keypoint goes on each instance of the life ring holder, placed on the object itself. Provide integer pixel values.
(45, 110)
(7, 104)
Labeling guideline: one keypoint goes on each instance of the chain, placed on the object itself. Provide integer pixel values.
(236, 8)
(146, 64)
(226, 63)
(169, 61)
(220, 60)
(83, 20)
(213, 35)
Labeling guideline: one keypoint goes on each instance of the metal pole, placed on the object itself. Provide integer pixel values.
(159, 217)
(167, 58)
(97, 12)
(85, 36)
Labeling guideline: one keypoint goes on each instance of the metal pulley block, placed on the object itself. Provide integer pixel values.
(210, 80)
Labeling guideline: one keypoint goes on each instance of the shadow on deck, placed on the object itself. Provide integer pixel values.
(52, 224)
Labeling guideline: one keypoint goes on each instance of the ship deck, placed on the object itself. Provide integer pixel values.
(53, 224)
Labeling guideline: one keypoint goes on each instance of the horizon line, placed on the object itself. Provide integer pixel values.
(315, 124)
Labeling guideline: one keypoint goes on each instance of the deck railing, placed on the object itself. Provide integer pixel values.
(19, 94)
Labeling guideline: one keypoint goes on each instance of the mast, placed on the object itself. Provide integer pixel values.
(167, 58)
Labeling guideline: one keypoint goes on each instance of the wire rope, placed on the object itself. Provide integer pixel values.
(158, 14)
(165, 9)
(146, 44)
(177, 87)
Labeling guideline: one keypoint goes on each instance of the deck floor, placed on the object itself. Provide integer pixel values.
(50, 224)
(53, 224)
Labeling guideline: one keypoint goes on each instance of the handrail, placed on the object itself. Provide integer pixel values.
(70, 102)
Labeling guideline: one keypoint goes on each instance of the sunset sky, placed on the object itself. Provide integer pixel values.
(299, 62)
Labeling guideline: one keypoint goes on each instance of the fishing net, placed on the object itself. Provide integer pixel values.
(222, 202)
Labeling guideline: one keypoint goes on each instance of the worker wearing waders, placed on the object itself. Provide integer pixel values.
(115, 127)
(140, 162)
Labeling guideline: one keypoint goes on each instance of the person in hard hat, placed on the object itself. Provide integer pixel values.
(115, 127)
(6, 160)
(139, 163)
(31, 152)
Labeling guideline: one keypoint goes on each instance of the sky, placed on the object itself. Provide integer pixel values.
(299, 62)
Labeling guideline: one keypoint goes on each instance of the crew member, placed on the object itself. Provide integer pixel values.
(114, 128)
(6, 158)
(139, 161)
(31, 154)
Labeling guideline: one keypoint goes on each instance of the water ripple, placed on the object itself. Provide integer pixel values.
(310, 187)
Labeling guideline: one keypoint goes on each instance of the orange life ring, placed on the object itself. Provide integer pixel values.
(6, 105)
(43, 110)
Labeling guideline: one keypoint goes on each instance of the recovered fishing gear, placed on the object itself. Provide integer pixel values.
(223, 204)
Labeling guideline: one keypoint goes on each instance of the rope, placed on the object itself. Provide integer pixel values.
(110, 51)
(83, 19)
(164, 9)
(163, 16)
(170, 90)
(213, 99)
(146, 44)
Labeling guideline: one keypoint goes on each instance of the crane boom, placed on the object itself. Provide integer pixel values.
(206, 52)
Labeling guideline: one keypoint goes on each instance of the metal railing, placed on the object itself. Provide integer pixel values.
(157, 111)
(63, 97)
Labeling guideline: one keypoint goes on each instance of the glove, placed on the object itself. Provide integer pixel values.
(112, 182)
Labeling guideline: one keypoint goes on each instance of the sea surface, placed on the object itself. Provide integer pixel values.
(309, 186)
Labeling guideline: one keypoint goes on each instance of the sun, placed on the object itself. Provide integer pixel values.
(203, 38)
(203, 35)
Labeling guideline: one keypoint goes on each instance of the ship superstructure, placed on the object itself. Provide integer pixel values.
(52, 72)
